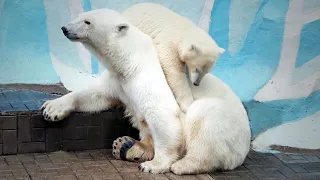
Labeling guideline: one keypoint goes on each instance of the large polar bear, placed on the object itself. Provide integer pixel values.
(134, 77)
(176, 37)
(216, 129)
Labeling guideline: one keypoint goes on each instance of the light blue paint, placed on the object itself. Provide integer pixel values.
(256, 62)
(58, 13)
(309, 43)
(94, 60)
(310, 4)
(240, 23)
(190, 9)
(24, 50)
(1, 5)
(269, 114)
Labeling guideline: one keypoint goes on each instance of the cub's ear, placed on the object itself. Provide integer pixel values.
(193, 48)
(122, 28)
(221, 50)
(188, 52)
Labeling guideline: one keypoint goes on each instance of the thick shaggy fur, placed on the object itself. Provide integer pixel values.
(178, 41)
(216, 127)
(134, 77)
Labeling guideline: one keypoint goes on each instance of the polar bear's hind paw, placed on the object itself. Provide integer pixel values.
(129, 149)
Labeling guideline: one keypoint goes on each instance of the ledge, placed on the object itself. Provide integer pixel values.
(30, 133)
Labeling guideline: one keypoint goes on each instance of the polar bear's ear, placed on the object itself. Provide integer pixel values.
(194, 48)
(221, 50)
(122, 28)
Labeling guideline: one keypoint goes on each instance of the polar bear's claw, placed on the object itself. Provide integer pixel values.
(57, 109)
(154, 167)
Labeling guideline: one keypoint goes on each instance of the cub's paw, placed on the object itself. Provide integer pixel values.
(154, 167)
(128, 149)
(57, 109)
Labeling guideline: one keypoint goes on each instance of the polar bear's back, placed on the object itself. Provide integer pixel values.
(151, 18)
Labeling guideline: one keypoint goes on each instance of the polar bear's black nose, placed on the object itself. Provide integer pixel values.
(64, 30)
(196, 84)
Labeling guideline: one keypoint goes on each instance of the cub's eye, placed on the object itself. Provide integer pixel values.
(198, 70)
(87, 22)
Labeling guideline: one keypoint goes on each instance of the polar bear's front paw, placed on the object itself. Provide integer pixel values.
(154, 167)
(57, 109)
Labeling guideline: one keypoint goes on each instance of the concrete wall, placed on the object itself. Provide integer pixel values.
(272, 59)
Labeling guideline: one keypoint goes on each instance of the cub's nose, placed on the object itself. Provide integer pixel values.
(64, 30)
(196, 84)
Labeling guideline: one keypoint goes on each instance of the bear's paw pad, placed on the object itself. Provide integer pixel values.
(121, 146)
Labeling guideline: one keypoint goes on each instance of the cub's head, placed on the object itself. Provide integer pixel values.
(97, 28)
(200, 57)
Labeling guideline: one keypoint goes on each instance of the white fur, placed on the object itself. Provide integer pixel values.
(134, 77)
(216, 127)
(176, 37)
(216, 130)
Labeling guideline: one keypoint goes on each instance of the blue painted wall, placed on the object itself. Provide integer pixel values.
(253, 66)
(32, 47)
(272, 58)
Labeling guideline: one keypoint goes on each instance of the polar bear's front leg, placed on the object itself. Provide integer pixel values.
(180, 87)
(93, 99)
(98, 97)
(166, 134)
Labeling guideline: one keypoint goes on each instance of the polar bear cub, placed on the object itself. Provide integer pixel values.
(178, 42)
(216, 128)
(134, 77)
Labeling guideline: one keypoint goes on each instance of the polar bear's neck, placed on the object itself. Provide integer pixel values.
(127, 57)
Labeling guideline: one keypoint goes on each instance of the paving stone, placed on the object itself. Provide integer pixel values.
(32, 105)
(5, 106)
(38, 134)
(24, 128)
(37, 121)
(1, 136)
(297, 168)
(2, 97)
(18, 106)
(12, 96)
(72, 145)
(129, 176)
(9, 142)
(53, 139)
(312, 158)
(95, 137)
(31, 147)
(8, 122)
(310, 176)
(75, 133)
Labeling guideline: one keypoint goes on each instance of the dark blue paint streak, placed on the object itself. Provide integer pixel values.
(309, 43)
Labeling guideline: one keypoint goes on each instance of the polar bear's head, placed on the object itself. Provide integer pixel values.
(200, 54)
(104, 32)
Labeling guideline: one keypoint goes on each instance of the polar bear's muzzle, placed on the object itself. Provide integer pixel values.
(68, 34)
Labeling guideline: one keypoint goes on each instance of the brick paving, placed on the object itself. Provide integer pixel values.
(100, 165)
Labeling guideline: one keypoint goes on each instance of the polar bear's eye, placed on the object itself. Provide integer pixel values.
(87, 22)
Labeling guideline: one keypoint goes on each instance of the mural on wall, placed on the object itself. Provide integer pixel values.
(272, 60)
(273, 64)
(34, 50)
